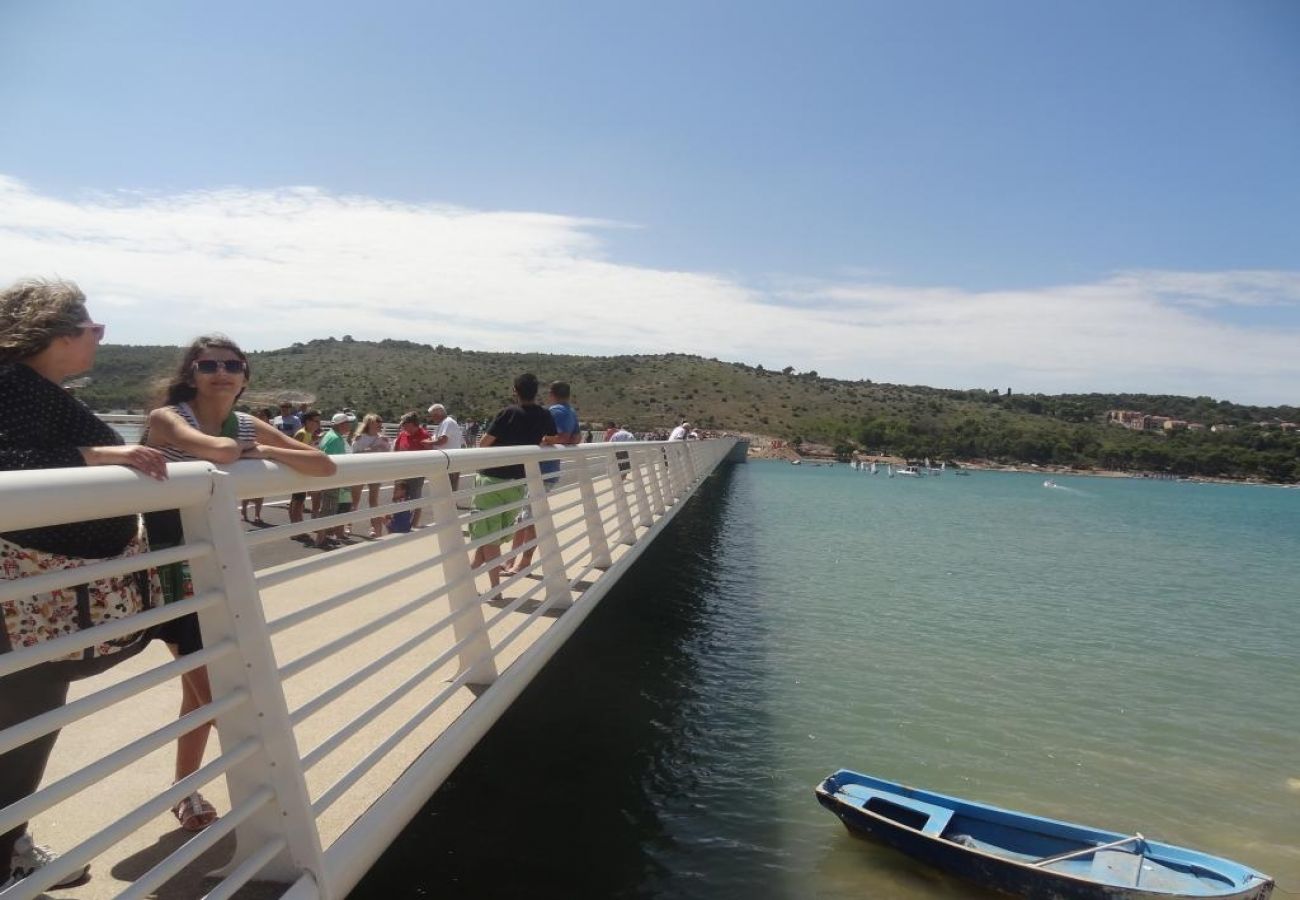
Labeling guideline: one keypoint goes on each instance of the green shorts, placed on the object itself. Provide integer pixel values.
(491, 500)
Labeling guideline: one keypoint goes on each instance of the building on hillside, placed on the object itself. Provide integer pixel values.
(1195, 426)
(1174, 425)
(1155, 423)
(1220, 427)
(1126, 418)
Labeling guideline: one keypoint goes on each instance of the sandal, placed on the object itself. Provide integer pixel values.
(194, 813)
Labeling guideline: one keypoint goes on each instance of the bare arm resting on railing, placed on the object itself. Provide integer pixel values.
(167, 429)
(277, 446)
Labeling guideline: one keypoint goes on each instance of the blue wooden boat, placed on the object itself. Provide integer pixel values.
(1026, 855)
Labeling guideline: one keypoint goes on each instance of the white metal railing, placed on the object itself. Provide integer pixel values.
(347, 685)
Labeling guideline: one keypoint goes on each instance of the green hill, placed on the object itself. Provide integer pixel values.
(653, 392)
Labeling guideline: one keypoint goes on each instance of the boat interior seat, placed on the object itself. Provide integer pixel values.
(924, 817)
(1118, 867)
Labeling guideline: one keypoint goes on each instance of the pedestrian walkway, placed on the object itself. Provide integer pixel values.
(372, 661)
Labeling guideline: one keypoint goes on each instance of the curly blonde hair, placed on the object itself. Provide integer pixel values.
(35, 311)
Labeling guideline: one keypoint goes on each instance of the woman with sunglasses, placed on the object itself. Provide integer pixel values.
(197, 421)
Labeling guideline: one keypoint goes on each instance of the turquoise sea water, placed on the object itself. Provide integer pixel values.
(1117, 652)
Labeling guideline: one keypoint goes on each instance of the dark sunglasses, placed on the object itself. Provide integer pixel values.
(212, 366)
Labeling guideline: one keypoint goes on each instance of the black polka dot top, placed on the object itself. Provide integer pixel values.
(42, 426)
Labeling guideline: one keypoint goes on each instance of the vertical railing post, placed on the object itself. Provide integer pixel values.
(266, 717)
(554, 577)
(636, 461)
(469, 625)
(673, 460)
(651, 459)
(596, 539)
(692, 450)
(626, 533)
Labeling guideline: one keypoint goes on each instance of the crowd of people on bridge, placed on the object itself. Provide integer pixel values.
(48, 336)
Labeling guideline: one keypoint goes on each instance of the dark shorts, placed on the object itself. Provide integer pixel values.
(300, 497)
(329, 503)
(183, 634)
(414, 487)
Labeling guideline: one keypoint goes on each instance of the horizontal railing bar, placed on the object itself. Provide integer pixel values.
(512, 607)
(31, 729)
(74, 858)
(269, 535)
(12, 589)
(523, 626)
(109, 630)
(582, 576)
(376, 709)
(33, 804)
(315, 610)
(319, 702)
(325, 651)
(38, 497)
(579, 538)
(187, 853)
(245, 871)
(572, 504)
(357, 772)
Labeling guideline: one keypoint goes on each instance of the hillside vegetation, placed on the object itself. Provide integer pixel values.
(653, 392)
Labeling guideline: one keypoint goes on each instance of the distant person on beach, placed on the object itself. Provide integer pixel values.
(413, 437)
(46, 337)
(566, 432)
(679, 433)
(521, 424)
(370, 439)
(447, 435)
(196, 420)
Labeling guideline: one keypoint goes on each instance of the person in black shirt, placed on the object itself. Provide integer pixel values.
(47, 336)
(518, 425)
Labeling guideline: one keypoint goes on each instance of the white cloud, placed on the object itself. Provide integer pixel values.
(274, 267)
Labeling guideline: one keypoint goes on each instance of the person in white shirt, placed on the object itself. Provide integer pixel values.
(679, 433)
(622, 434)
(446, 436)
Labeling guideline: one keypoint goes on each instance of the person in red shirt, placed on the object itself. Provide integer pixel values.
(413, 437)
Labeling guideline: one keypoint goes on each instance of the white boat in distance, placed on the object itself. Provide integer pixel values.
(909, 472)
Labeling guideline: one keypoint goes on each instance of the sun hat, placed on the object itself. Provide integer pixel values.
(340, 418)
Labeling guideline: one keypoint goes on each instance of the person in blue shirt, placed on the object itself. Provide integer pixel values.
(567, 431)
(287, 421)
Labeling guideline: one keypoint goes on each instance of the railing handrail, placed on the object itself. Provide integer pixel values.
(611, 496)
(33, 497)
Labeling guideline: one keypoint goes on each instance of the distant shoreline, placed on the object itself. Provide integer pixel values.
(760, 448)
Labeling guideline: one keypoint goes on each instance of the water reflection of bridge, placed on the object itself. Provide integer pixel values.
(346, 685)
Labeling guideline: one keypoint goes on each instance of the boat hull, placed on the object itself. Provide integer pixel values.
(1010, 876)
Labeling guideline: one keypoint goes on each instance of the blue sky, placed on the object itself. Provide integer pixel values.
(950, 193)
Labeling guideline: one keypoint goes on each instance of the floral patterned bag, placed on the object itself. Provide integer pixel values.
(43, 617)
